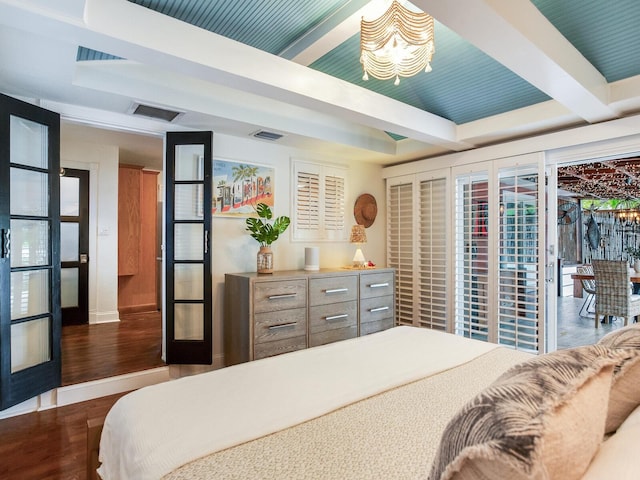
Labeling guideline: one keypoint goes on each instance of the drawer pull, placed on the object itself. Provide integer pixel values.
(336, 317)
(379, 309)
(283, 295)
(282, 325)
(336, 290)
(379, 285)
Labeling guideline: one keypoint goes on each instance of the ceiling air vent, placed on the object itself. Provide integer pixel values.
(154, 112)
(264, 135)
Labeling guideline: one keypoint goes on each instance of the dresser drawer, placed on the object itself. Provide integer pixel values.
(323, 291)
(279, 295)
(286, 345)
(330, 323)
(376, 326)
(271, 326)
(376, 284)
(375, 309)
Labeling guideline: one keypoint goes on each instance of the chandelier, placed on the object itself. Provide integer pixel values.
(398, 44)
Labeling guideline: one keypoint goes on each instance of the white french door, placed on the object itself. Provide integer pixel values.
(499, 238)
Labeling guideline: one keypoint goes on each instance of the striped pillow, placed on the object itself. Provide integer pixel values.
(543, 418)
(625, 390)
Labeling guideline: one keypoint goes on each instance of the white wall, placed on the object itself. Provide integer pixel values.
(102, 163)
(235, 251)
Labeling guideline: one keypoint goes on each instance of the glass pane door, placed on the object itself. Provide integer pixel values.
(29, 252)
(74, 245)
(188, 257)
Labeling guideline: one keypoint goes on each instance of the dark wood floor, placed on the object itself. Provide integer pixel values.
(49, 445)
(52, 444)
(91, 352)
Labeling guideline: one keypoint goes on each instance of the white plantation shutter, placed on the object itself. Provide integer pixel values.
(432, 246)
(519, 288)
(319, 202)
(417, 249)
(472, 255)
(400, 216)
(334, 211)
(308, 198)
(499, 265)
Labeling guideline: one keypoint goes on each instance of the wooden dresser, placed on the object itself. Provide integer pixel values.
(266, 315)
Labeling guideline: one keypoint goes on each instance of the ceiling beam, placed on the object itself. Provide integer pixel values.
(337, 29)
(516, 34)
(138, 34)
(134, 32)
(334, 30)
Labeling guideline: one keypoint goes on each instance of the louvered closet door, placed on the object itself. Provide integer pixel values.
(432, 258)
(472, 255)
(400, 232)
(519, 285)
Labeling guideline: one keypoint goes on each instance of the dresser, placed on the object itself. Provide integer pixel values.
(266, 315)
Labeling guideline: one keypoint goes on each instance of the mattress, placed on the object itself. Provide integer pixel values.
(154, 431)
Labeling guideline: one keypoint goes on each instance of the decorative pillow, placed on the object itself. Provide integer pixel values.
(543, 418)
(625, 337)
(618, 455)
(625, 388)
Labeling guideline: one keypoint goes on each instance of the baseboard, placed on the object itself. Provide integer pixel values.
(105, 317)
(151, 307)
(82, 392)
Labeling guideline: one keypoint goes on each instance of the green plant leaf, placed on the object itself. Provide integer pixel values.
(262, 230)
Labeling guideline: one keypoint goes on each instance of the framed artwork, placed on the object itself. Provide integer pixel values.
(239, 186)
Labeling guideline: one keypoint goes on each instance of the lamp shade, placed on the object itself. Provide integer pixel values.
(358, 234)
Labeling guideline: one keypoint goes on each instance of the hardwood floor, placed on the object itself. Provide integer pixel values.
(52, 444)
(49, 445)
(90, 352)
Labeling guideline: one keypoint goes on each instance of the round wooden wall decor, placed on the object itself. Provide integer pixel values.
(365, 210)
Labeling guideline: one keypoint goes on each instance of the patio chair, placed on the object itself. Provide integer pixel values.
(589, 286)
(613, 290)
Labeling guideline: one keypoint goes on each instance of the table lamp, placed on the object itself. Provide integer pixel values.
(358, 236)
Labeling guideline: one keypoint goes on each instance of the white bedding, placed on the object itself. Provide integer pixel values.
(155, 430)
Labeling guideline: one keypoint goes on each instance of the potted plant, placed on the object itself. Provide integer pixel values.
(266, 231)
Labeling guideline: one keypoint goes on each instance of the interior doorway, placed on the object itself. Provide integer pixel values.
(100, 151)
(74, 246)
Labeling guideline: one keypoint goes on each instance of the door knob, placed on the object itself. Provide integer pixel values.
(84, 258)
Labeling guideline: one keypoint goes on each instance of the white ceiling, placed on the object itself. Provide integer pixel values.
(234, 89)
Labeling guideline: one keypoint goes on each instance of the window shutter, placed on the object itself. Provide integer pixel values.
(432, 248)
(519, 251)
(472, 256)
(308, 198)
(400, 220)
(319, 202)
(334, 203)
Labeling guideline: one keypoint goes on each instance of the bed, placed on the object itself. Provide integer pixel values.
(379, 406)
